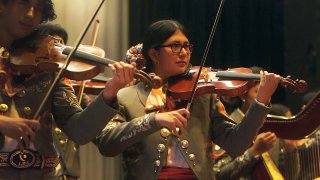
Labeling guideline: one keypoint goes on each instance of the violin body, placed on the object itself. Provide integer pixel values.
(181, 87)
(90, 87)
(49, 57)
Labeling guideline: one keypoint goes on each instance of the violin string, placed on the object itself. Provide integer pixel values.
(206, 51)
(68, 60)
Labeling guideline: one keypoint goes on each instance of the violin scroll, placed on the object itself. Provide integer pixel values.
(299, 86)
(150, 80)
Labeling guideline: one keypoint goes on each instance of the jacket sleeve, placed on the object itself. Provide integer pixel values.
(81, 126)
(235, 139)
(228, 168)
(119, 134)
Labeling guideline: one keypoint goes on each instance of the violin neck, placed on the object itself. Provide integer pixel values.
(298, 86)
(237, 76)
(88, 57)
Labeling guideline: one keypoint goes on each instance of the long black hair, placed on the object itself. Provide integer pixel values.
(48, 12)
(157, 33)
(53, 29)
(32, 41)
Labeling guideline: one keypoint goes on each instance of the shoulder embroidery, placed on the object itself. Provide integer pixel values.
(40, 87)
(72, 100)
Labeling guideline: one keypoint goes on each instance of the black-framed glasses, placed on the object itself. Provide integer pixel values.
(177, 48)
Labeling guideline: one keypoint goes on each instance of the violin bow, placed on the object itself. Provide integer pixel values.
(93, 42)
(68, 60)
(206, 51)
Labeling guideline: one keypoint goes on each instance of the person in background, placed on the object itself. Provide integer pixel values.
(243, 166)
(157, 139)
(26, 144)
(284, 155)
(54, 30)
(307, 149)
(280, 110)
(69, 167)
(309, 152)
(16, 21)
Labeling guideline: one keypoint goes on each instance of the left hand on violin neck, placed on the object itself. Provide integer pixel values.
(268, 84)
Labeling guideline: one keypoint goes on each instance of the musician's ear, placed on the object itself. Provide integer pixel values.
(153, 54)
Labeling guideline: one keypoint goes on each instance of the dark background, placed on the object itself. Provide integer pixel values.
(279, 35)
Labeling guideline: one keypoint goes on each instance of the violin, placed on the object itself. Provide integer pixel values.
(90, 87)
(235, 82)
(232, 82)
(50, 56)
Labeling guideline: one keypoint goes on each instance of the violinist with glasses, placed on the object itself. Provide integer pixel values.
(26, 144)
(158, 138)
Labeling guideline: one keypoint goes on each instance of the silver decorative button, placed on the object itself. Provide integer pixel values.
(27, 111)
(157, 163)
(57, 130)
(165, 132)
(3, 107)
(184, 144)
(192, 157)
(161, 147)
(62, 142)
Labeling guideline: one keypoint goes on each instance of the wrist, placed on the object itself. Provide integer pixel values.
(156, 120)
(109, 93)
(262, 102)
(253, 154)
(108, 96)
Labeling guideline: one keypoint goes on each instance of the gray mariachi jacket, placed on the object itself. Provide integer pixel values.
(78, 124)
(241, 167)
(136, 135)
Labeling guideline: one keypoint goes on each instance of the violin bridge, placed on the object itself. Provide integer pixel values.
(205, 73)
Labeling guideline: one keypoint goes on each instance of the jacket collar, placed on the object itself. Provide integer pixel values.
(142, 93)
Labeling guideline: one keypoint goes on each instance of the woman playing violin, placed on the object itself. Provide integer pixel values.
(26, 144)
(168, 143)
